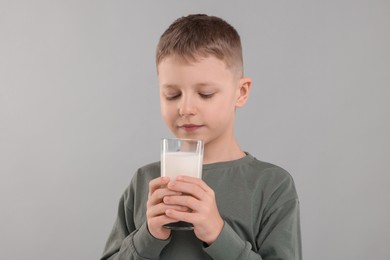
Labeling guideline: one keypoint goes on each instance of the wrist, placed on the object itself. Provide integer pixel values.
(213, 237)
(162, 234)
(146, 244)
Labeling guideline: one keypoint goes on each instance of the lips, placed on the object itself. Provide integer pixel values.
(190, 127)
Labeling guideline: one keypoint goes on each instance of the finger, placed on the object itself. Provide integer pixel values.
(182, 216)
(157, 196)
(186, 201)
(193, 180)
(157, 183)
(160, 221)
(188, 188)
(160, 209)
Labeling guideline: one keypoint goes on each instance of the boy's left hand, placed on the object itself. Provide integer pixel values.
(200, 198)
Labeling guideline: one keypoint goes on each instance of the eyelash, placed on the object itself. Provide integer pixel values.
(203, 96)
(206, 96)
(172, 97)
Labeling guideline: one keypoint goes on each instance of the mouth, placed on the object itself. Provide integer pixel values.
(190, 127)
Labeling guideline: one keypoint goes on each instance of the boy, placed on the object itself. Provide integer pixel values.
(242, 208)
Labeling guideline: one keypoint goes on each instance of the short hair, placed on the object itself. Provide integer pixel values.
(198, 36)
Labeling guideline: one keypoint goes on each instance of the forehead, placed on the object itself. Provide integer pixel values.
(188, 60)
(180, 69)
(179, 73)
(198, 65)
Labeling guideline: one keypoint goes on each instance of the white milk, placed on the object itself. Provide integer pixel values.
(181, 163)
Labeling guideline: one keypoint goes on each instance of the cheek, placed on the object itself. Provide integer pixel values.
(219, 111)
(167, 112)
(225, 110)
(227, 105)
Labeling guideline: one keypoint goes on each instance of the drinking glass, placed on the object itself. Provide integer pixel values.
(181, 157)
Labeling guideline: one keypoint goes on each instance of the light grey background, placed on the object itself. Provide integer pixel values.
(79, 113)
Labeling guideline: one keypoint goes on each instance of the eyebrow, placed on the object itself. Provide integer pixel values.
(169, 86)
(198, 85)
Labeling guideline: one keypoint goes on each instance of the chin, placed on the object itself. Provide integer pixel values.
(193, 136)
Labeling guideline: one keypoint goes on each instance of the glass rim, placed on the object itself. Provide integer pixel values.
(182, 139)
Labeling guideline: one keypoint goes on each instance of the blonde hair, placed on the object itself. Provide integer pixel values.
(198, 36)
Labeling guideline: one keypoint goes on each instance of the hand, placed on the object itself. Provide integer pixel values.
(155, 208)
(200, 199)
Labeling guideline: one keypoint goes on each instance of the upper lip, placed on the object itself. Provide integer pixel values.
(189, 125)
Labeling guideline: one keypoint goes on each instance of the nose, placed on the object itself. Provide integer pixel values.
(187, 106)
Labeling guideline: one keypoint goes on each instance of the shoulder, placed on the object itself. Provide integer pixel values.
(150, 169)
(146, 173)
(266, 172)
(275, 181)
(140, 181)
(270, 171)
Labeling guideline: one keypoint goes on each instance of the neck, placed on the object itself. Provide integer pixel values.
(229, 151)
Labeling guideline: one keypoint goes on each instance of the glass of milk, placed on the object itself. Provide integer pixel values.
(181, 157)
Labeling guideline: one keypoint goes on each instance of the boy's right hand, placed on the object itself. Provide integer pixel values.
(155, 208)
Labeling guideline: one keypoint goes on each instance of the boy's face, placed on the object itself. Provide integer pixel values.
(198, 100)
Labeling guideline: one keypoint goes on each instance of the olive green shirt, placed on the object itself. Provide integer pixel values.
(257, 200)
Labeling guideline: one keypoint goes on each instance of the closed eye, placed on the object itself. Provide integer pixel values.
(172, 97)
(206, 95)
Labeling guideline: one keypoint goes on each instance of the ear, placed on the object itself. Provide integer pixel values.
(243, 91)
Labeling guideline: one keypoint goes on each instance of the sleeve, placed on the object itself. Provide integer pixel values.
(128, 242)
(279, 236)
